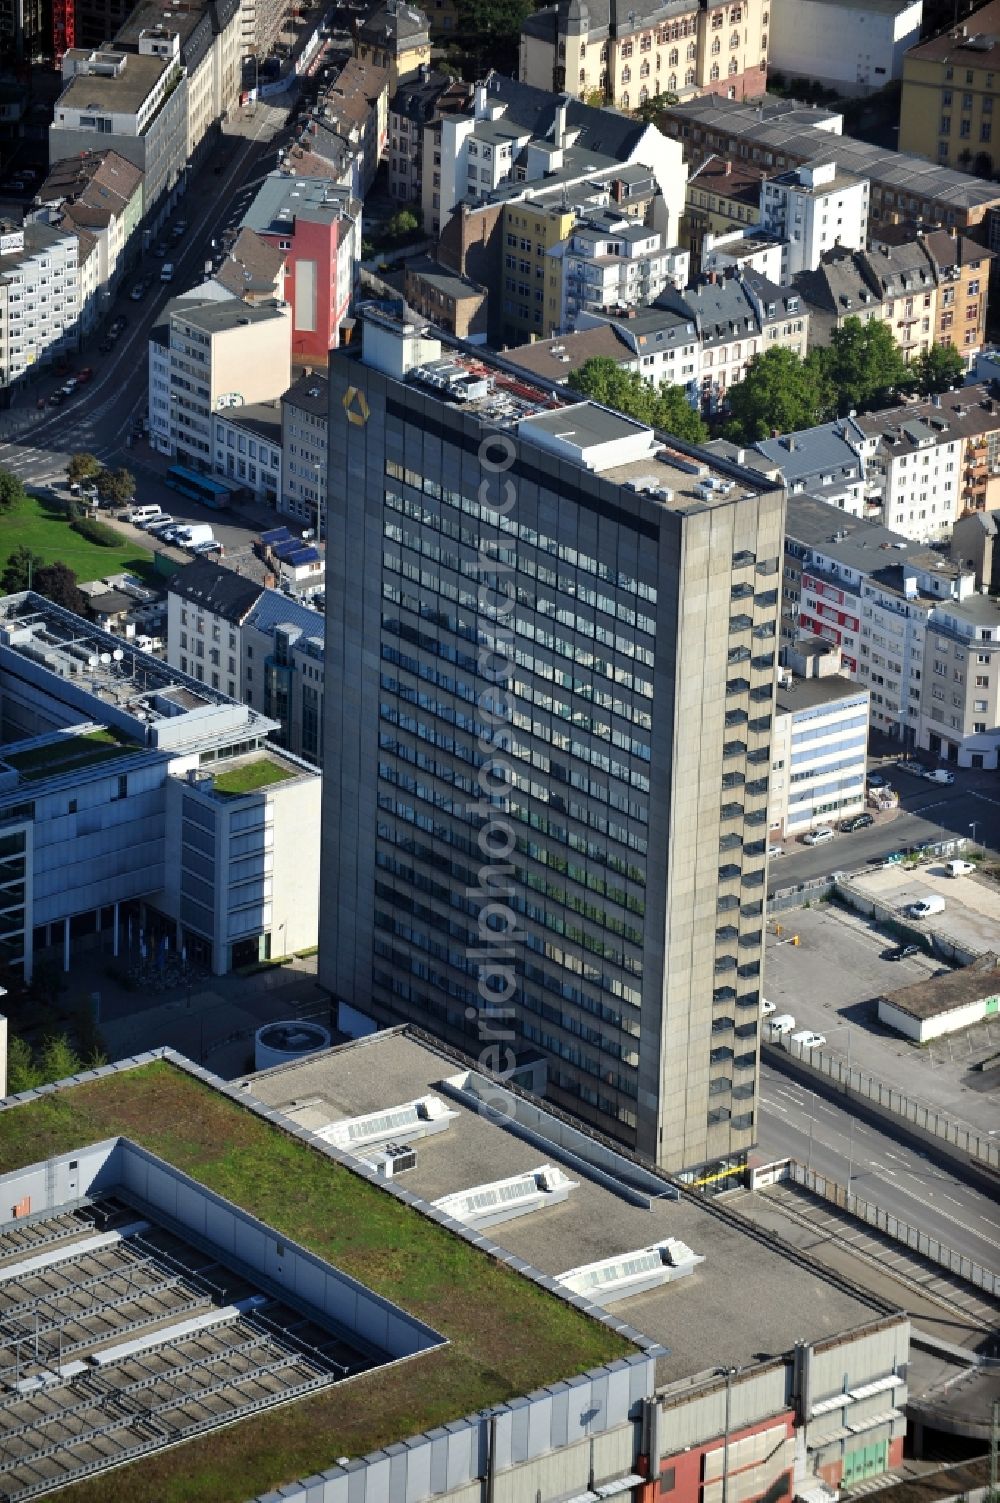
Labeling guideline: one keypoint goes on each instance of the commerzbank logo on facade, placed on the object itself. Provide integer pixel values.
(356, 406)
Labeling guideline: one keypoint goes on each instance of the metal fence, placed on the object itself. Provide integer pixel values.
(981, 1150)
(919, 1242)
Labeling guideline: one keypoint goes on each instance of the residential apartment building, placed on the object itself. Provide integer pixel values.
(638, 978)
(810, 210)
(395, 36)
(824, 461)
(960, 267)
(663, 344)
(208, 355)
(39, 297)
(417, 104)
(316, 227)
(850, 46)
(627, 57)
(100, 194)
(253, 269)
(838, 289)
(721, 196)
(819, 750)
(132, 102)
(974, 544)
(960, 705)
(269, 648)
(609, 261)
(872, 593)
(304, 420)
(742, 251)
(449, 301)
(515, 135)
(209, 40)
(950, 89)
(905, 284)
(349, 129)
(778, 134)
(135, 813)
(246, 448)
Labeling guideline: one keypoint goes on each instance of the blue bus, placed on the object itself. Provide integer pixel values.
(201, 488)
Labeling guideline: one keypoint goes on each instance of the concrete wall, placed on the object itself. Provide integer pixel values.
(295, 864)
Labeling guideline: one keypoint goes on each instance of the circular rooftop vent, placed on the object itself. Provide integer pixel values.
(280, 1043)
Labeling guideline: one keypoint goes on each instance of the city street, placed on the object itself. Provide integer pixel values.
(794, 1121)
(926, 813)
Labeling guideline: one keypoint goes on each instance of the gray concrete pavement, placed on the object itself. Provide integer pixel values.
(829, 982)
(903, 1180)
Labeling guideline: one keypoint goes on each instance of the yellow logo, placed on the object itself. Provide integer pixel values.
(356, 406)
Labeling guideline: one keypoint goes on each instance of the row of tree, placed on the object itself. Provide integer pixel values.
(114, 487)
(861, 368)
(56, 1059)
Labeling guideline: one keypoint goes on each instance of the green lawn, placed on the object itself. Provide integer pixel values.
(41, 525)
(68, 752)
(251, 776)
(505, 1335)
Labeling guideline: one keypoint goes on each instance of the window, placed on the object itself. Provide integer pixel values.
(944, 129)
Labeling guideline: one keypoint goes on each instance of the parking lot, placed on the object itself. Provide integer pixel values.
(971, 915)
(830, 981)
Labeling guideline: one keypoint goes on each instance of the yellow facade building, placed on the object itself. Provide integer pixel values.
(951, 85)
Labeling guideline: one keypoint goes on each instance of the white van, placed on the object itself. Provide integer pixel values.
(782, 1024)
(958, 868)
(140, 514)
(767, 1009)
(939, 775)
(927, 906)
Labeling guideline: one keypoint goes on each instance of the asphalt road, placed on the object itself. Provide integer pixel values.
(794, 1121)
(927, 812)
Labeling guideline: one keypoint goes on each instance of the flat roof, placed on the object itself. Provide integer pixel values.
(807, 693)
(943, 994)
(557, 358)
(749, 1296)
(504, 1334)
(972, 44)
(125, 93)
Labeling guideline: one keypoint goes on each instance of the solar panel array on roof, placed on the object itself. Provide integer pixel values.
(276, 535)
(301, 556)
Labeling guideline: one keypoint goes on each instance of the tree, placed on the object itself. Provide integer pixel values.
(20, 569)
(779, 393)
(57, 583)
(58, 1059)
(402, 223)
(491, 33)
(83, 466)
(864, 365)
(664, 406)
(116, 486)
(939, 368)
(650, 109)
(22, 1072)
(12, 492)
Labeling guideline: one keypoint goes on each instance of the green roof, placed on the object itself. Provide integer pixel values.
(247, 777)
(505, 1335)
(67, 754)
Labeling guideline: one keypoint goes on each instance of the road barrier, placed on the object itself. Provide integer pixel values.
(918, 1242)
(977, 1149)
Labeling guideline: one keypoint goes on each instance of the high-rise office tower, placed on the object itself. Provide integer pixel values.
(550, 653)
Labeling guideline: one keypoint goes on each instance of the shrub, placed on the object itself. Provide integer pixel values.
(96, 532)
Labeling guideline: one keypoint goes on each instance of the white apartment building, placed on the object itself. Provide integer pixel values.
(40, 296)
(610, 261)
(209, 355)
(246, 448)
(143, 810)
(818, 752)
(812, 209)
(304, 454)
(960, 706)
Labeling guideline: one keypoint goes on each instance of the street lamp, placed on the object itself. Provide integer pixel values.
(729, 1374)
(972, 827)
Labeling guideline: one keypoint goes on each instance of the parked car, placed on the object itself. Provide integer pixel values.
(808, 1039)
(159, 524)
(876, 780)
(819, 836)
(138, 292)
(159, 251)
(856, 822)
(782, 1024)
(958, 868)
(57, 399)
(118, 324)
(915, 769)
(776, 850)
(85, 375)
(901, 952)
(939, 775)
(767, 1009)
(927, 907)
(211, 546)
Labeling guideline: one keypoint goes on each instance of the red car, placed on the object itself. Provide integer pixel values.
(82, 377)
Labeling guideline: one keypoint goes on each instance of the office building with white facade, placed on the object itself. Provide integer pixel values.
(303, 442)
(850, 46)
(40, 297)
(141, 810)
(811, 210)
(637, 792)
(819, 752)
